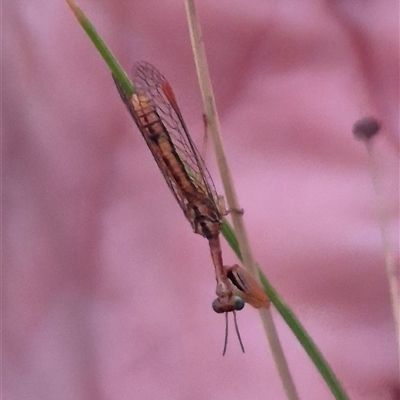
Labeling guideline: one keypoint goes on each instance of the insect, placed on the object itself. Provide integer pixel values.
(155, 111)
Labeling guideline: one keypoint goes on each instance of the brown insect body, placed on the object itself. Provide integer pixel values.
(156, 113)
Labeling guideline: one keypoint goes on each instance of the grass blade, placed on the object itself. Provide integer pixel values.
(104, 51)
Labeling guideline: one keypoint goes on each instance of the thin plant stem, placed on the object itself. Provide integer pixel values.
(232, 200)
(392, 267)
(366, 130)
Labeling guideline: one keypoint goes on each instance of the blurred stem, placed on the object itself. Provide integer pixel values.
(390, 254)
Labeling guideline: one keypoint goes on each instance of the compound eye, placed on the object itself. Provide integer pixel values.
(239, 303)
(218, 307)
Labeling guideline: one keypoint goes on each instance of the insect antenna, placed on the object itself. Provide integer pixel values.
(226, 334)
(227, 331)
(237, 332)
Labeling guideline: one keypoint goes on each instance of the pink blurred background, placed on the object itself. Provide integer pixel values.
(106, 291)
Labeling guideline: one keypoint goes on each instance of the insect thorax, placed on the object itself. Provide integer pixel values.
(204, 218)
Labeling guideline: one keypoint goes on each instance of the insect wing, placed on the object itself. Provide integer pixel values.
(180, 198)
(147, 79)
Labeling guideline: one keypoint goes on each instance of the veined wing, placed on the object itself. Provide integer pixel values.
(156, 113)
(149, 80)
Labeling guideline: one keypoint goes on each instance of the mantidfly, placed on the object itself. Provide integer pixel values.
(155, 111)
